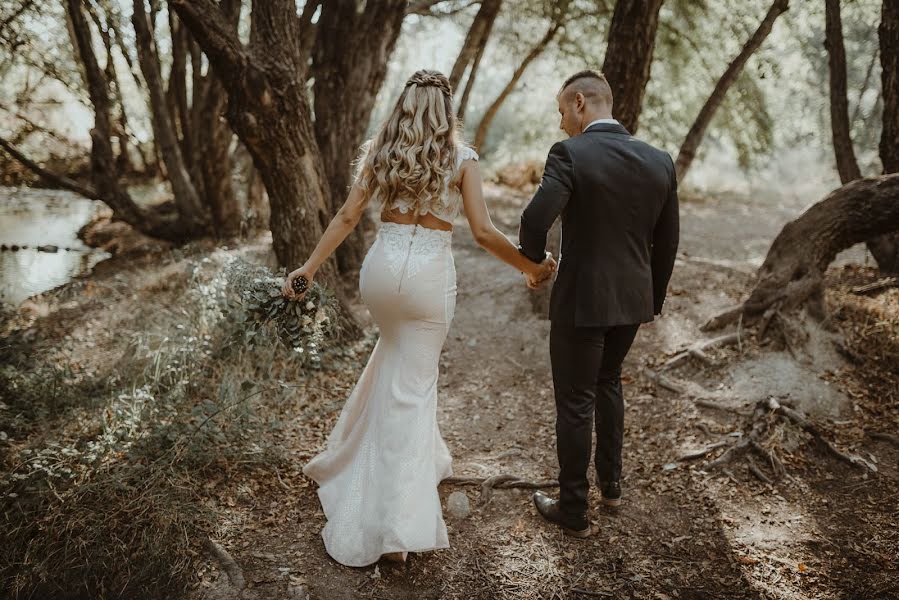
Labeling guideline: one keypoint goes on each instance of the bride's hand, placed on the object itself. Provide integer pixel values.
(287, 289)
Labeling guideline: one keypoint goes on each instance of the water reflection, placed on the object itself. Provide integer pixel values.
(35, 217)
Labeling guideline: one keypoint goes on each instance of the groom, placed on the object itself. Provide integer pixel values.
(618, 199)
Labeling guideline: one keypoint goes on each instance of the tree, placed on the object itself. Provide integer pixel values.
(268, 108)
(628, 58)
(847, 165)
(792, 274)
(557, 20)
(698, 129)
(473, 49)
(349, 64)
(104, 172)
(186, 198)
(885, 249)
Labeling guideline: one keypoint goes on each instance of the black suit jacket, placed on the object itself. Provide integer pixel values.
(620, 226)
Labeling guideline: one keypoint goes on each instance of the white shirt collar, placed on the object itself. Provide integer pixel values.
(592, 123)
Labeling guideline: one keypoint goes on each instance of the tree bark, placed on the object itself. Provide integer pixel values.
(847, 165)
(352, 50)
(697, 131)
(490, 113)
(469, 82)
(475, 40)
(190, 209)
(888, 33)
(628, 60)
(885, 249)
(269, 110)
(793, 272)
(106, 29)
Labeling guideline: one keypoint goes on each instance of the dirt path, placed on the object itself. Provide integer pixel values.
(824, 531)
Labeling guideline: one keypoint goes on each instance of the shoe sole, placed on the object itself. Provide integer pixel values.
(611, 501)
(578, 534)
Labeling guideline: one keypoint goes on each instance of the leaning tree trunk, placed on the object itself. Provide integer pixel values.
(484, 126)
(269, 111)
(793, 272)
(475, 41)
(187, 200)
(697, 131)
(469, 82)
(352, 50)
(885, 249)
(847, 165)
(632, 36)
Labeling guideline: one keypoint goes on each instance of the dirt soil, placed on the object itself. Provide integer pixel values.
(826, 529)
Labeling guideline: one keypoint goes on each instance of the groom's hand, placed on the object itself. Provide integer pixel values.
(542, 273)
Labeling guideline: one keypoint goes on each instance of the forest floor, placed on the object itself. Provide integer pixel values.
(685, 529)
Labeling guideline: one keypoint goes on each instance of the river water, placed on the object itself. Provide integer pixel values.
(37, 217)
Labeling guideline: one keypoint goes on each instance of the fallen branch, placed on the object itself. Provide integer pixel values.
(884, 437)
(887, 282)
(703, 452)
(698, 349)
(54, 179)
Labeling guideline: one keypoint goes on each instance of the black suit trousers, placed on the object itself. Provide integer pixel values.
(586, 367)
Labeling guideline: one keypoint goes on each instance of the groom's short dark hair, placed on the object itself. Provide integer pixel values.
(601, 88)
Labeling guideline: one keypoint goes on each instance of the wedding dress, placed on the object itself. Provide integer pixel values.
(379, 471)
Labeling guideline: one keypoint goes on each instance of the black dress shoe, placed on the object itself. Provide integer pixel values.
(611, 492)
(574, 525)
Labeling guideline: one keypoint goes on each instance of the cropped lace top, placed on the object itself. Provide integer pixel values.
(450, 204)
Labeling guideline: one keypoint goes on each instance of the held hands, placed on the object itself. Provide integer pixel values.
(541, 273)
(288, 290)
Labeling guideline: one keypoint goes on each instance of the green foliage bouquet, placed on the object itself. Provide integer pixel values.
(260, 307)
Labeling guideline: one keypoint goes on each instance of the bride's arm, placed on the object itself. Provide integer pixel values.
(485, 232)
(338, 229)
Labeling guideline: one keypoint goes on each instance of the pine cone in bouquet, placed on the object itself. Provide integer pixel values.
(304, 325)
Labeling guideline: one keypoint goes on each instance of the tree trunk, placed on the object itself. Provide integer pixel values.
(352, 50)
(123, 159)
(632, 36)
(888, 32)
(176, 94)
(847, 165)
(103, 168)
(490, 113)
(793, 272)
(269, 110)
(697, 131)
(469, 82)
(190, 209)
(475, 40)
(885, 249)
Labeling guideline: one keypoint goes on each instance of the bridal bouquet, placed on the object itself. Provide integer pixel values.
(259, 304)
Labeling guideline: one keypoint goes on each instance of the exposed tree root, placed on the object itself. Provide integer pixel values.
(885, 437)
(229, 565)
(501, 481)
(766, 414)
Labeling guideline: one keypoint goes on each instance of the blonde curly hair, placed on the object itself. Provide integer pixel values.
(413, 154)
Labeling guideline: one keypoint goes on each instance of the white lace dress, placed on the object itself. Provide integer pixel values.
(379, 471)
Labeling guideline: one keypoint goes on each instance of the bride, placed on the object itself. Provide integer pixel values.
(379, 471)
